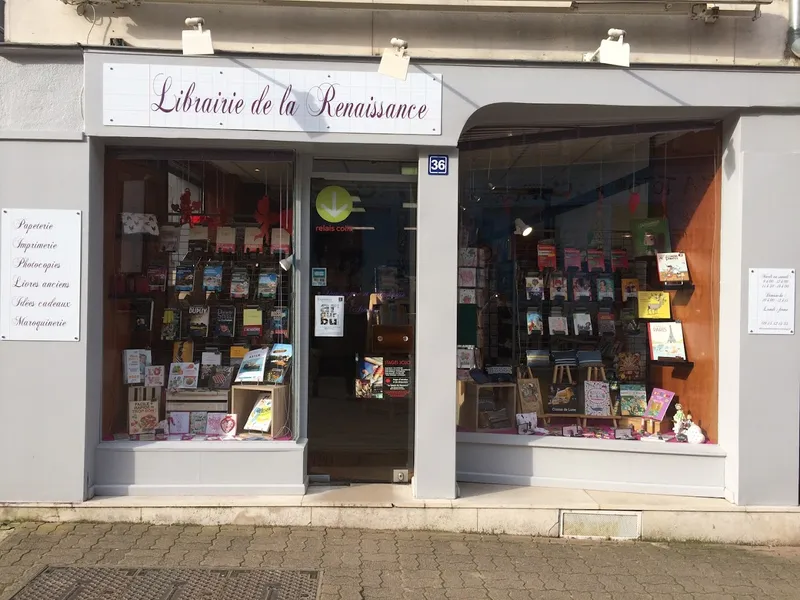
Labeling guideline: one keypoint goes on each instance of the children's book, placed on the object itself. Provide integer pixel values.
(558, 287)
(199, 318)
(260, 418)
(240, 283)
(225, 323)
(630, 288)
(252, 322)
(534, 321)
(253, 366)
(672, 267)
(597, 399)
(605, 287)
(632, 399)
(582, 323)
(666, 340)
(212, 278)
(650, 236)
(534, 287)
(184, 278)
(562, 399)
(267, 284)
(658, 404)
(280, 359)
(653, 305)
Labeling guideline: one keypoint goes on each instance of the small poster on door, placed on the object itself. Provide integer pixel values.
(329, 316)
(319, 277)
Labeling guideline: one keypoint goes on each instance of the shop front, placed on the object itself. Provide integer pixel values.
(297, 271)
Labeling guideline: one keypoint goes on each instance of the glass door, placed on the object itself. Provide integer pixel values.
(361, 368)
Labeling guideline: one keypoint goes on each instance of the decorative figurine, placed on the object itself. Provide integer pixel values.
(695, 435)
(678, 420)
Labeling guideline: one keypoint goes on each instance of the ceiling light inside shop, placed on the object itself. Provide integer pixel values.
(196, 41)
(409, 205)
(521, 228)
(358, 209)
(395, 61)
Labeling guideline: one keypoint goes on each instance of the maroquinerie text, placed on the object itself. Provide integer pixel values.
(321, 101)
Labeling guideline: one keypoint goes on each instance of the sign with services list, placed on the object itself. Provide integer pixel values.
(40, 275)
(771, 306)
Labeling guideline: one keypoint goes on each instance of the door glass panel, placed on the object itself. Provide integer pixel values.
(362, 269)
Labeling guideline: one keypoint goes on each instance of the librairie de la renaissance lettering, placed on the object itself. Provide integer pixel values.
(320, 101)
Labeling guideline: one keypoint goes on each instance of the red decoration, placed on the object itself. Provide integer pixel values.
(633, 202)
(187, 207)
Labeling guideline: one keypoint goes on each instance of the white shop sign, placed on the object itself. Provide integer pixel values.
(40, 275)
(145, 95)
(771, 302)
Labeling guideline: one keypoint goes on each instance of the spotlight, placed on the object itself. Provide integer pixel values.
(521, 228)
(395, 61)
(287, 263)
(195, 41)
(612, 51)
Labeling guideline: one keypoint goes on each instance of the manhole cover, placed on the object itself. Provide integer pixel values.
(110, 583)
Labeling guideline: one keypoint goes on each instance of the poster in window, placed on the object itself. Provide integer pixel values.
(369, 379)
(329, 316)
(397, 377)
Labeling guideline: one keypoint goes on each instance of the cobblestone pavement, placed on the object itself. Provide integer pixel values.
(362, 565)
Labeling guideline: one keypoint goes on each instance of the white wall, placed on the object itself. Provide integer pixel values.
(464, 34)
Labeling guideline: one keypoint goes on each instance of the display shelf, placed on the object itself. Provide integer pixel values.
(468, 410)
(666, 362)
(244, 398)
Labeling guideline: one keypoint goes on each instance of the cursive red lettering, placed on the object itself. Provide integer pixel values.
(166, 85)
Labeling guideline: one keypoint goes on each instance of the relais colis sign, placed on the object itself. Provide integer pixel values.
(241, 98)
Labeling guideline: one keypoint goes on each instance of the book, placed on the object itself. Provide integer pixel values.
(546, 255)
(183, 375)
(466, 296)
(465, 357)
(142, 314)
(240, 283)
(154, 376)
(171, 324)
(672, 267)
(530, 396)
(572, 259)
(630, 288)
(562, 399)
(596, 399)
(467, 257)
(279, 363)
(225, 323)
(658, 404)
(604, 283)
(134, 364)
(632, 399)
(220, 377)
(534, 321)
(605, 323)
(178, 422)
(182, 351)
(157, 278)
(198, 422)
(199, 318)
(253, 365)
(260, 418)
(558, 287)
(253, 240)
(650, 236)
(212, 278)
(582, 323)
(666, 340)
(619, 260)
(279, 320)
(595, 259)
(467, 277)
(534, 287)
(267, 284)
(213, 421)
(557, 325)
(630, 366)
(581, 287)
(226, 240)
(142, 416)
(653, 305)
(184, 278)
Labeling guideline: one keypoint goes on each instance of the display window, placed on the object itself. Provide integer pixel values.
(588, 283)
(198, 310)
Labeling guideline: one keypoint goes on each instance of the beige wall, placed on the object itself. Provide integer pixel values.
(539, 37)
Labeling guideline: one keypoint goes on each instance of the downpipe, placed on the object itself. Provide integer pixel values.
(793, 37)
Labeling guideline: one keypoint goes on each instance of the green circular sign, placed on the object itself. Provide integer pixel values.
(334, 204)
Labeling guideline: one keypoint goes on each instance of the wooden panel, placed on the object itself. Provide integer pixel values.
(691, 194)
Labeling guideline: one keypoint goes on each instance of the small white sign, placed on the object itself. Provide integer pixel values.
(329, 316)
(40, 275)
(771, 307)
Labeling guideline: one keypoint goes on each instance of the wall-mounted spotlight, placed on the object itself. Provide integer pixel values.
(522, 228)
(287, 263)
(196, 41)
(612, 51)
(395, 61)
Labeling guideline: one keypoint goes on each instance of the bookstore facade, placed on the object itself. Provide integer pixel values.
(299, 270)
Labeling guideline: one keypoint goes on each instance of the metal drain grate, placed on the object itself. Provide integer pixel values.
(117, 583)
(601, 524)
